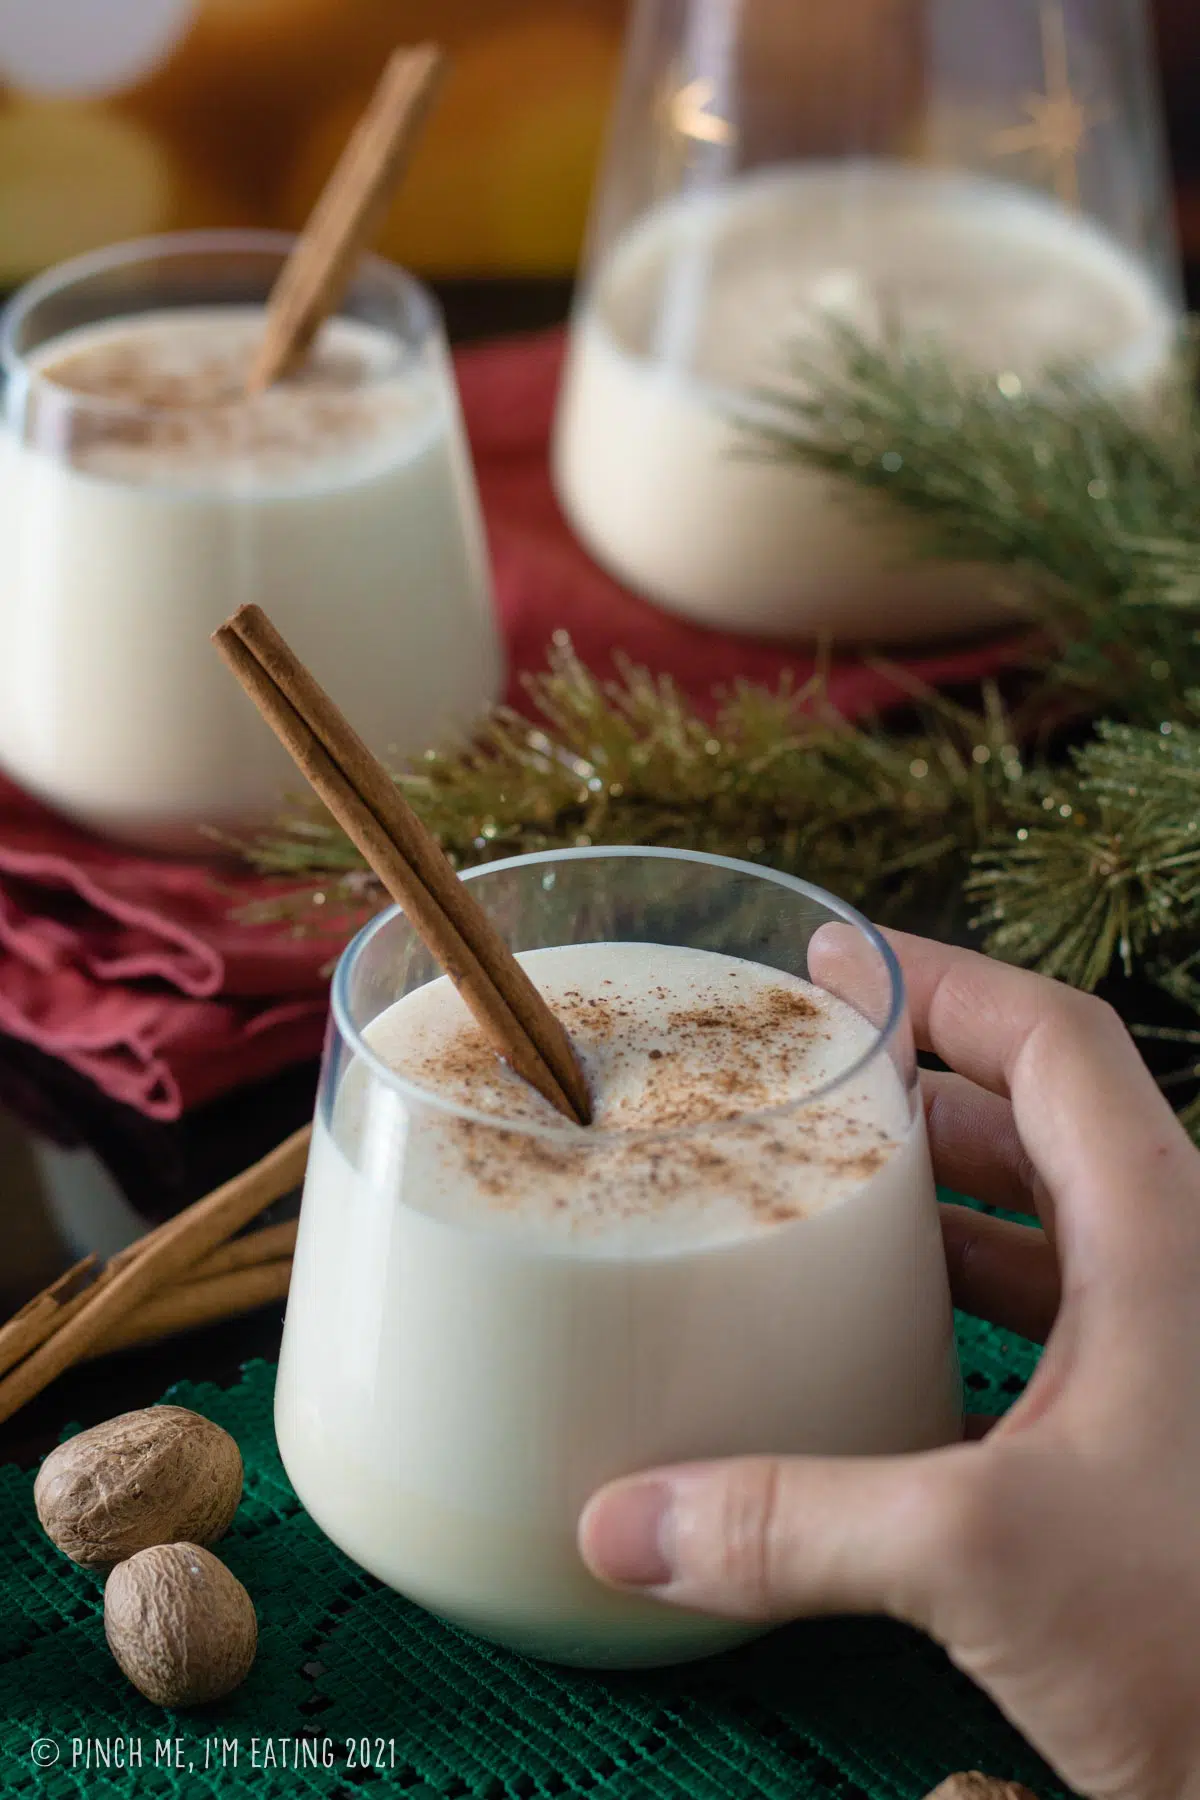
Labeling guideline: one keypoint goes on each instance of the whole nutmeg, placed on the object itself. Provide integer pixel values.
(151, 1477)
(179, 1624)
(970, 1784)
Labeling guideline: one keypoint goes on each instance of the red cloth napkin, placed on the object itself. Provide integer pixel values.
(131, 969)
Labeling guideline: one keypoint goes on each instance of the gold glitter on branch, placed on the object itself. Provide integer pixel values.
(1077, 864)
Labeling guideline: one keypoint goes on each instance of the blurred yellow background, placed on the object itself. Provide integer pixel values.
(140, 116)
(122, 117)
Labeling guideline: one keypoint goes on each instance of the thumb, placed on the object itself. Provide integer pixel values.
(772, 1538)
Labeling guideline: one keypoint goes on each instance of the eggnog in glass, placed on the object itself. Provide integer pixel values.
(143, 497)
(493, 1312)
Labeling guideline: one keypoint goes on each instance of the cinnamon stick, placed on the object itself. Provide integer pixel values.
(409, 862)
(154, 1262)
(266, 1245)
(194, 1303)
(49, 1311)
(41, 1316)
(318, 271)
(220, 1286)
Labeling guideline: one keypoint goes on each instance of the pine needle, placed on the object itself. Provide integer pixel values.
(1078, 866)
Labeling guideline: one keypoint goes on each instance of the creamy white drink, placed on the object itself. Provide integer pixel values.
(492, 1313)
(142, 499)
(692, 313)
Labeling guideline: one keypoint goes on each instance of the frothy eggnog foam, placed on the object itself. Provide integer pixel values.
(179, 414)
(493, 1312)
(693, 1061)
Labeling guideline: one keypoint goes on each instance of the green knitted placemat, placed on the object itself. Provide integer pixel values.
(392, 1702)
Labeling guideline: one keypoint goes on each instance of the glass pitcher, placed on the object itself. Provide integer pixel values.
(985, 174)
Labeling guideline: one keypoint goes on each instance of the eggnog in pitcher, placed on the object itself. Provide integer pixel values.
(692, 316)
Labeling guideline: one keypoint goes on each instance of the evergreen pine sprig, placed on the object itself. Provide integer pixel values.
(775, 776)
(1084, 512)
(1076, 865)
(1106, 866)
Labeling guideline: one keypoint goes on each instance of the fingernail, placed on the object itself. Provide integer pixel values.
(625, 1535)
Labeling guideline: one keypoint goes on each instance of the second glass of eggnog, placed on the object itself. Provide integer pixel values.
(493, 1312)
(144, 496)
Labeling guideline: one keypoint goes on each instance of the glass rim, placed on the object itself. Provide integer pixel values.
(419, 300)
(415, 1094)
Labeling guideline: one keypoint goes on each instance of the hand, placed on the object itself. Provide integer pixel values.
(1058, 1558)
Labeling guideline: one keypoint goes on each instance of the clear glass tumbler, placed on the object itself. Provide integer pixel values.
(143, 497)
(455, 1380)
(985, 174)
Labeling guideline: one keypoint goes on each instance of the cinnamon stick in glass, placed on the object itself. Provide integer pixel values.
(318, 271)
(370, 808)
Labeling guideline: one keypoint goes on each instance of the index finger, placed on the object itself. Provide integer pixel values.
(1089, 1113)
(1086, 1108)
(982, 1018)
